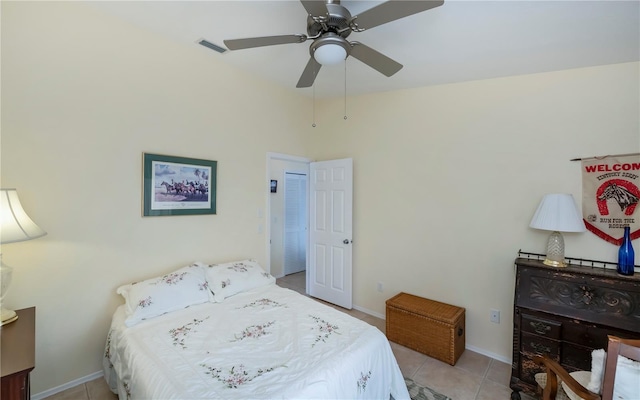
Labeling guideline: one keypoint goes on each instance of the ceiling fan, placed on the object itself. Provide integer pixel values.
(329, 24)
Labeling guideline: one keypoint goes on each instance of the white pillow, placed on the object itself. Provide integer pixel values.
(228, 279)
(156, 296)
(627, 381)
(598, 358)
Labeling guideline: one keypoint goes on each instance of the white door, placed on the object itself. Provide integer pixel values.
(330, 231)
(295, 222)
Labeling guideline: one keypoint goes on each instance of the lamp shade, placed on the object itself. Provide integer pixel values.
(330, 49)
(558, 212)
(15, 224)
(330, 54)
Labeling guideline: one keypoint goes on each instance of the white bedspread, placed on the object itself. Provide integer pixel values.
(269, 343)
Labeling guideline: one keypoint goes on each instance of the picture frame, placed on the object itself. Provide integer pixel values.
(274, 186)
(174, 185)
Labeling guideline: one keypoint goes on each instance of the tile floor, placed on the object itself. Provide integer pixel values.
(474, 377)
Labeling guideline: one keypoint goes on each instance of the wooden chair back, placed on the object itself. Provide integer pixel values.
(628, 348)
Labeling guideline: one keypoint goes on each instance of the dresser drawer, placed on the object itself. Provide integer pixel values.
(539, 345)
(542, 327)
(575, 356)
(592, 336)
(586, 335)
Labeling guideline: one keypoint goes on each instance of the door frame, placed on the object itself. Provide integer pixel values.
(282, 157)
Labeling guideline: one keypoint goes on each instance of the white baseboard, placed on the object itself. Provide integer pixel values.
(488, 354)
(68, 385)
(366, 311)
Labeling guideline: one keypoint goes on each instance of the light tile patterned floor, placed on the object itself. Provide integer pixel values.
(474, 377)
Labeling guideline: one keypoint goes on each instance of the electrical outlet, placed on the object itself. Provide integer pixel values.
(380, 288)
(494, 316)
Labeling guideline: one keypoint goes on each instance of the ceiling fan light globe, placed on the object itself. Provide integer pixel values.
(330, 54)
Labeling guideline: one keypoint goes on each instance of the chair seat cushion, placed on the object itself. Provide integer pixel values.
(541, 379)
(583, 378)
(564, 393)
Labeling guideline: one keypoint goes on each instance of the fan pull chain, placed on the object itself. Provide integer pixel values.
(345, 89)
(313, 122)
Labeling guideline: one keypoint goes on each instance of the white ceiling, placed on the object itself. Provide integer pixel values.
(458, 41)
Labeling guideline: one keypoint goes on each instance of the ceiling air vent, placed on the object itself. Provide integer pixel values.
(212, 46)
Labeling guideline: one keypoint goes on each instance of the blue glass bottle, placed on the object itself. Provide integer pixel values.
(626, 256)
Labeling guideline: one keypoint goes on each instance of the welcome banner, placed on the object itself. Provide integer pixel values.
(610, 195)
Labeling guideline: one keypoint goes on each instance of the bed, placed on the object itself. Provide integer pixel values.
(227, 331)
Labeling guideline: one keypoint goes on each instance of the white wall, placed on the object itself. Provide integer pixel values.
(83, 96)
(447, 178)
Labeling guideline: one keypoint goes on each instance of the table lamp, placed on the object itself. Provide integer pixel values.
(15, 226)
(557, 213)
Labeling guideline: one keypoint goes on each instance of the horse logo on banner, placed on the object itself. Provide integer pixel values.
(610, 196)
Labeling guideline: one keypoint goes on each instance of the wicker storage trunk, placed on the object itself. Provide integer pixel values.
(430, 327)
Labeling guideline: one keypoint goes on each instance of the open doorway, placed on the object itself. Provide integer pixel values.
(288, 214)
(327, 236)
(295, 222)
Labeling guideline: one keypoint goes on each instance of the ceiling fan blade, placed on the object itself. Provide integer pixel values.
(317, 8)
(375, 59)
(238, 44)
(391, 11)
(309, 74)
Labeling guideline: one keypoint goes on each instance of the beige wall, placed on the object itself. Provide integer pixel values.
(83, 96)
(446, 178)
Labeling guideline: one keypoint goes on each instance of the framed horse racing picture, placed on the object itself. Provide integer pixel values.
(178, 185)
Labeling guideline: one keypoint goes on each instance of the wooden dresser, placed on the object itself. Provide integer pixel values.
(18, 355)
(566, 313)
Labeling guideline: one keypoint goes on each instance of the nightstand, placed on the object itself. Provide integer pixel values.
(17, 342)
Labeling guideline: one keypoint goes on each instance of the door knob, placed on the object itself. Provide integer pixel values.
(346, 241)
